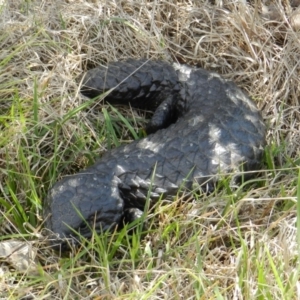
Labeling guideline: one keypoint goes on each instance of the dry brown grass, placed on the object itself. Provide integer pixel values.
(215, 250)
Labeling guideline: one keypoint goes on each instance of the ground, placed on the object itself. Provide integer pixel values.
(232, 244)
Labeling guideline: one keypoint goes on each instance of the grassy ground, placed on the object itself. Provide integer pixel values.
(241, 244)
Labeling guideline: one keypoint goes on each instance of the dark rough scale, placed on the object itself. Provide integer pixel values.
(202, 126)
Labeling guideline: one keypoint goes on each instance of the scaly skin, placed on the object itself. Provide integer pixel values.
(202, 126)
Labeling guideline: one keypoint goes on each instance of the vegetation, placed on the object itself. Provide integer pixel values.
(232, 244)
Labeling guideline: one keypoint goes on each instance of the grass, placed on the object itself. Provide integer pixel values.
(232, 244)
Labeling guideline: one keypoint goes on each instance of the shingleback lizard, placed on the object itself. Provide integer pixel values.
(202, 126)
